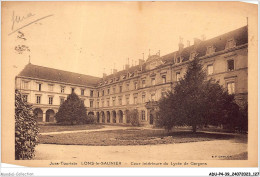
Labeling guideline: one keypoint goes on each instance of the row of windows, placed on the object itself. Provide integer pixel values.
(127, 100)
(50, 100)
(230, 67)
(25, 85)
(135, 86)
(230, 89)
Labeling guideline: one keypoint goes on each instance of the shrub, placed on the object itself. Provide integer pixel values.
(72, 111)
(26, 129)
(133, 117)
(91, 119)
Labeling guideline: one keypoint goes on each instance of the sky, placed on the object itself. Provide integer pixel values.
(95, 37)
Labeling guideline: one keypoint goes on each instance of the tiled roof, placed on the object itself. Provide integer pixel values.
(239, 35)
(51, 74)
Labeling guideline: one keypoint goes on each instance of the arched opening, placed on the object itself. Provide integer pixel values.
(108, 117)
(120, 115)
(127, 116)
(98, 117)
(103, 117)
(114, 116)
(91, 113)
(39, 114)
(50, 115)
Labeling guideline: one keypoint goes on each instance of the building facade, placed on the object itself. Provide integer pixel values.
(224, 58)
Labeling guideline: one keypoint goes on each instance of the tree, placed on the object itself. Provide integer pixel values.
(72, 111)
(133, 117)
(26, 129)
(195, 101)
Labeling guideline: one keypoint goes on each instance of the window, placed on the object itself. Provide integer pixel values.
(231, 87)
(153, 81)
(83, 101)
(62, 99)
(91, 103)
(127, 86)
(210, 50)
(98, 94)
(108, 91)
(178, 76)
(97, 104)
(135, 100)
(50, 87)
(114, 90)
(25, 98)
(163, 93)
(230, 44)
(62, 89)
(102, 103)
(38, 99)
(135, 85)
(163, 79)
(230, 64)
(210, 69)
(108, 103)
(50, 100)
(192, 55)
(143, 98)
(103, 92)
(143, 115)
(114, 101)
(120, 101)
(120, 89)
(39, 87)
(25, 84)
(72, 90)
(91, 93)
(127, 100)
(82, 91)
(143, 83)
(153, 97)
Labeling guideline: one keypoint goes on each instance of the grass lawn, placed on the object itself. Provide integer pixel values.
(134, 136)
(44, 128)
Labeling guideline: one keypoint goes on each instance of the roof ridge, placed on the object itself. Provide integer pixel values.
(60, 70)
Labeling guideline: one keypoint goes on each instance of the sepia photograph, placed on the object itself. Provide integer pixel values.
(129, 84)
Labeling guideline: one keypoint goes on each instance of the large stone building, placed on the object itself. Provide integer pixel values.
(225, 58)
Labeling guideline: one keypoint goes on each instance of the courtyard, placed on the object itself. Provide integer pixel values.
(64, 142)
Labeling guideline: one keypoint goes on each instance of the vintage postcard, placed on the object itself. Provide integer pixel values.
(129, 84)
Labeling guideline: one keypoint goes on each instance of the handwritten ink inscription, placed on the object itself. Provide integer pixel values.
(18, 19)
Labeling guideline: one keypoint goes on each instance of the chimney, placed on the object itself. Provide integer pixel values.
(127, 66)
(104, 73)
(114, 71)
(203, 37)
(181, 45)
(196, 41)
(141, 61)
(188, 43)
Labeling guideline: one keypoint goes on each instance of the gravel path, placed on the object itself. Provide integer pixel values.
(106, 128)
(206, 150)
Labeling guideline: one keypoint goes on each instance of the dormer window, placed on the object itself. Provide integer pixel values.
(192, 55)
(210, 50)
(230, 43)
(178, 59)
